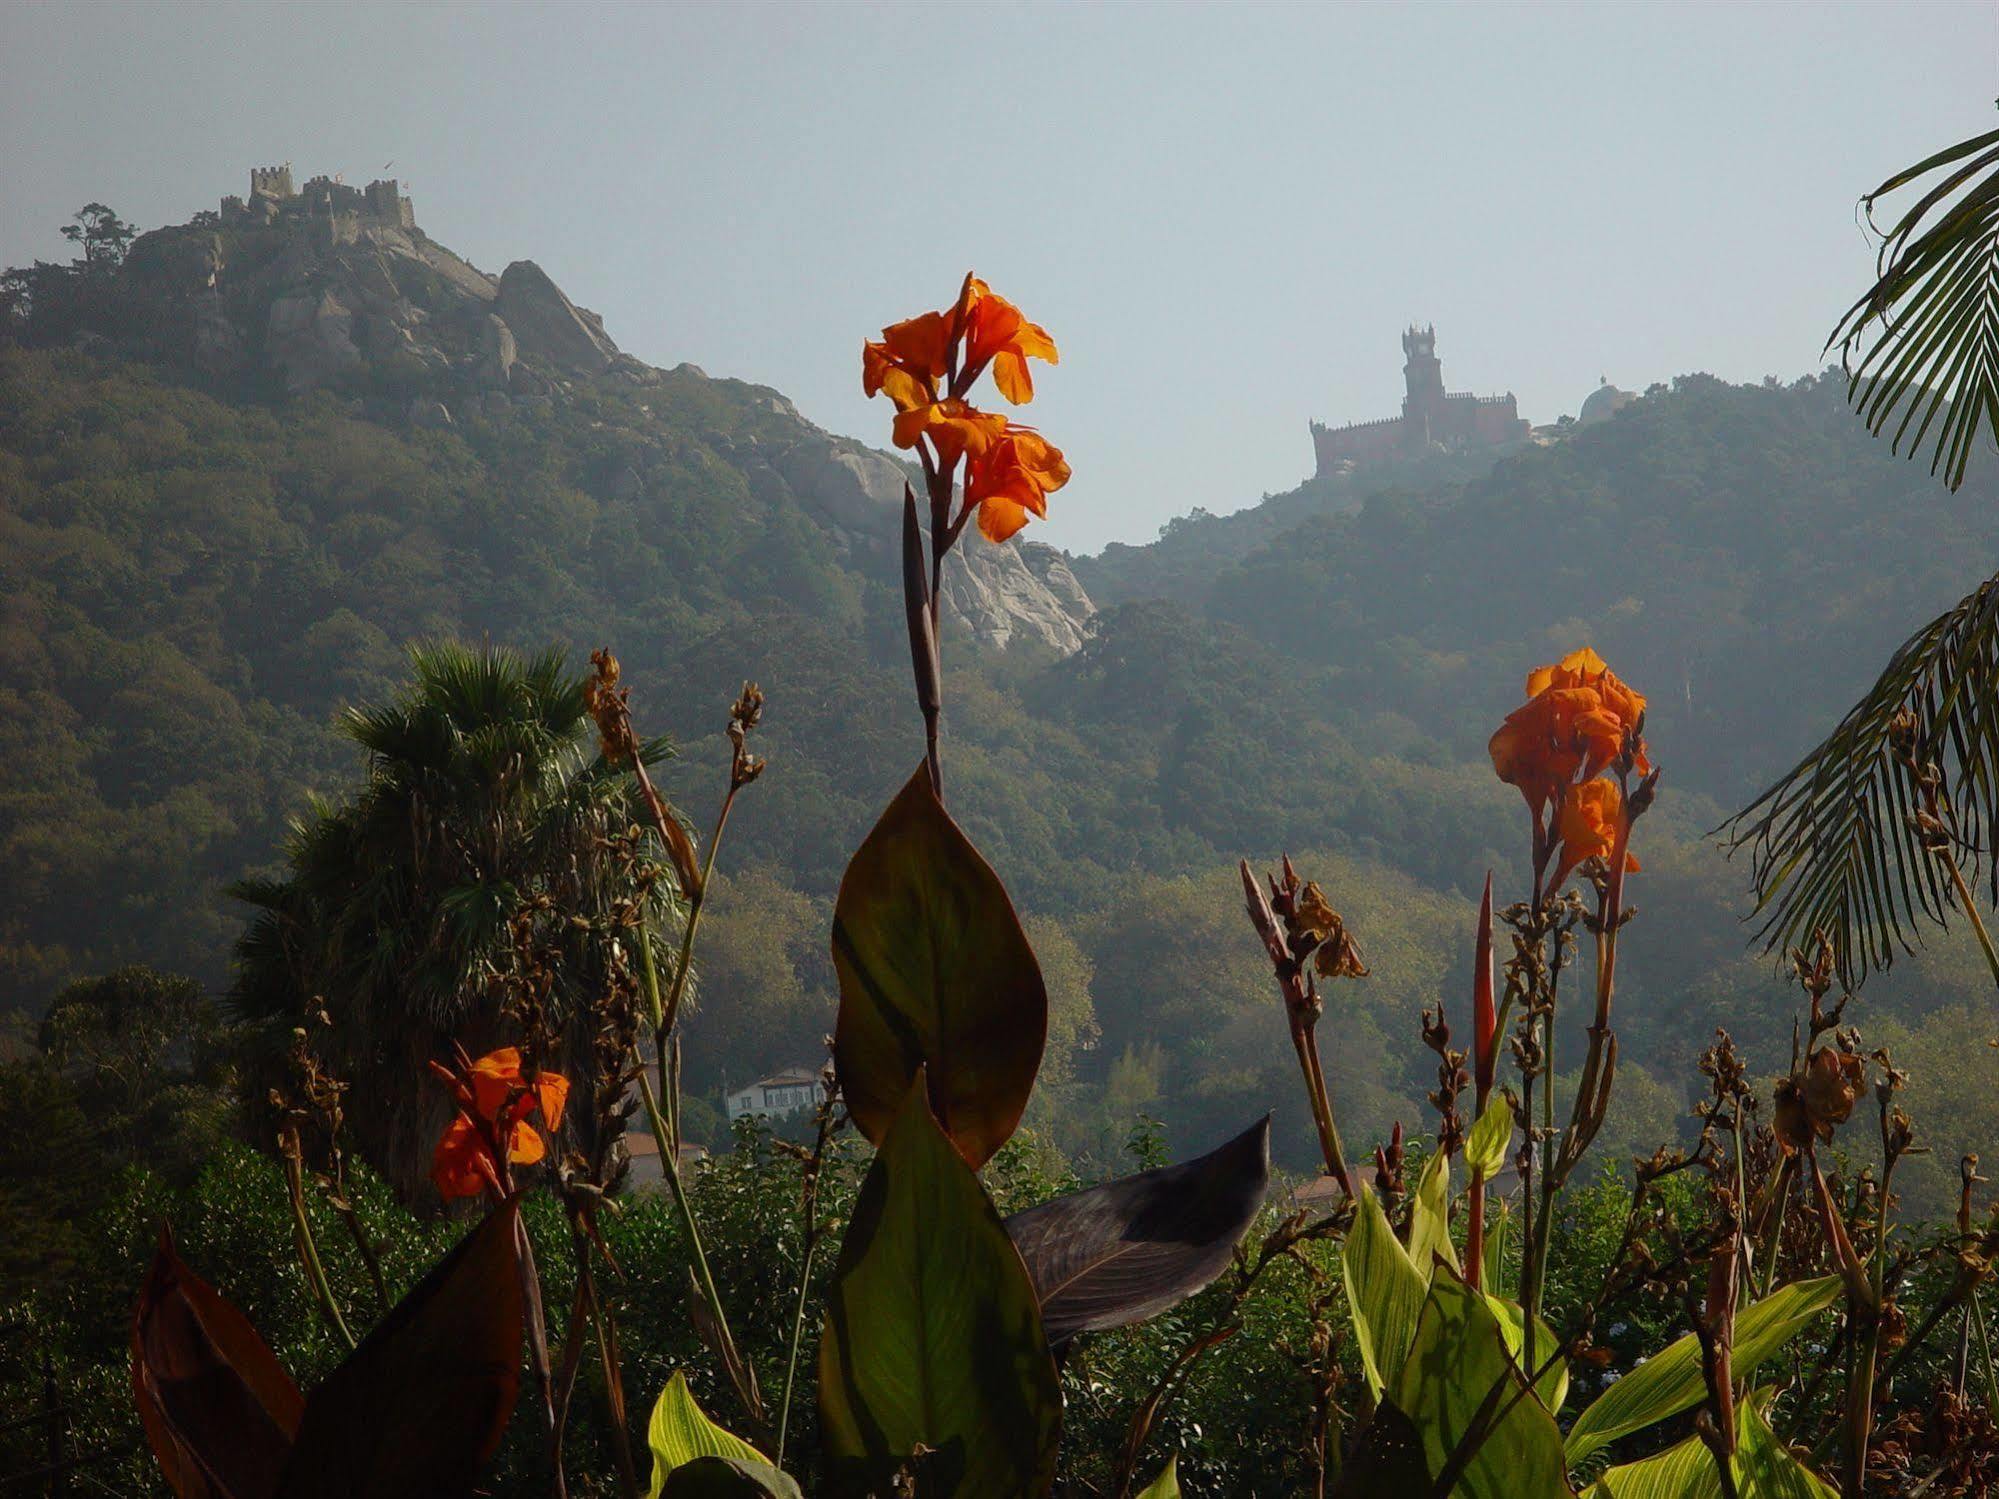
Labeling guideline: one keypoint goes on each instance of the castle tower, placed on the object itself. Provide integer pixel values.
(1423, 375)
(271, 182)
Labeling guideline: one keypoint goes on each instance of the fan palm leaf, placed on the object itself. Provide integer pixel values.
(1832, 844)
(1922, 343)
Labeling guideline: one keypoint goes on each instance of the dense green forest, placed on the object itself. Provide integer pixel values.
(200, 572)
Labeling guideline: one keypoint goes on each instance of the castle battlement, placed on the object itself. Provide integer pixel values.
(338, 207)
(1431, 416)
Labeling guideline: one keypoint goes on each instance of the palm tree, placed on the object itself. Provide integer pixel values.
(484, 793)
(1893, 818)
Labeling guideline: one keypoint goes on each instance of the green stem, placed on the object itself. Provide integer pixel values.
(739, 1370)
(1966, 904)
(308, 1251)
(1985, 1347)
(797, 1337)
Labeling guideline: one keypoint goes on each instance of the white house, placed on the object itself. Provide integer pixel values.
(781, 1093)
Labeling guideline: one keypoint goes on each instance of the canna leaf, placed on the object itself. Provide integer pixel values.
(1126, 1251)
(936, 973)
(680, 1433)
(218, 1409)
(1167, 1484)
(714, 1477)
(1485, 1146)
(420, 1406)
(933, 1334)
(1671, 1382)
(1763, 1468)
(1385, 1292)
(1459, 1376)
(1430, 1216)
(1553, 1386)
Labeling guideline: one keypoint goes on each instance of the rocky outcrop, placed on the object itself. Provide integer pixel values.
(1002, 594)
(310, 338)
(548, 324)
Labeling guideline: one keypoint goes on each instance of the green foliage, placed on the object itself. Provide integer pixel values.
(933, 1334)
(1459, 1379)
(936, 979)
(1670, 1381)
(1931, 311)
(679, 1433)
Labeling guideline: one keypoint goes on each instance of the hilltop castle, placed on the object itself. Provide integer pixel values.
(1431, 417)
(327, 204)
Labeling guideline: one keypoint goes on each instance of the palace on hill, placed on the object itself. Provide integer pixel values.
(1432, 417)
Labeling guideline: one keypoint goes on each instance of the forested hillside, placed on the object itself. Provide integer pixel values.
(199, 572)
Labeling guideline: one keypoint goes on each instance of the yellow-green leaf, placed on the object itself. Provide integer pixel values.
(935, 973)
(1485, 1146)
(1457, 1368)
(680, 1432)
(1167, 1484)
(1670, 1382)
(933, 1332)
(1764, 1468)
(1430, 1216)
(1552, 1387)
(1384, 1292)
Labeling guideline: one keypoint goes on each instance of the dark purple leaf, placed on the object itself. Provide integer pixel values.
(218, 1408)
(420, 1406)
(1125, 1251)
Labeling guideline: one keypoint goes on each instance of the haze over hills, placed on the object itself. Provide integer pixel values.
(243, 467)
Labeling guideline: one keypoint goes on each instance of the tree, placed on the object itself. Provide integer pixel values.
(103, 236)
(151, 1061)
(483, 798)
(1841, 843)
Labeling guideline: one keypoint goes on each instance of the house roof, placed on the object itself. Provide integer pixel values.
(790, 1077)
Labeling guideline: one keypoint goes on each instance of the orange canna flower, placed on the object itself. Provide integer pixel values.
(996, 332)
(909, 360)
(954, 428)
(1588, 823)
(1013, 476)
(497, 1084)
(1545, 742)
(1585, 668)
(499, 1098)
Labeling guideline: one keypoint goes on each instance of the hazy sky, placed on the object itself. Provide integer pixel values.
(1224, 215)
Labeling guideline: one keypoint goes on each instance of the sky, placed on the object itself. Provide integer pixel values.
(1224, 214)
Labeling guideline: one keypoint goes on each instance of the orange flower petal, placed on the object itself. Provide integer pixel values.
(454, 1165)
(525, 1145)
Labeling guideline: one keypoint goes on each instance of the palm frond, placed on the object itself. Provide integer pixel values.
(1927, 330)
(1831, 845)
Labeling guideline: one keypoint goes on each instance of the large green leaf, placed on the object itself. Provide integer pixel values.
(1430, 1216)
(1552, 1387)
(1459, 1377)
(1671, 1382)
(1764, 1468)
(1385, 1292)
(420, 1406)
(935, 972)
(1112, 1255)
(218, 1409)
(680, 1432)
(714, 1477)
(1485, 1146)
(933, 1332)
(1167, 1484)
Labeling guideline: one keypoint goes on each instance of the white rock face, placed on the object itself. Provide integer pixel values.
(1003, 594)
(547, 323)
